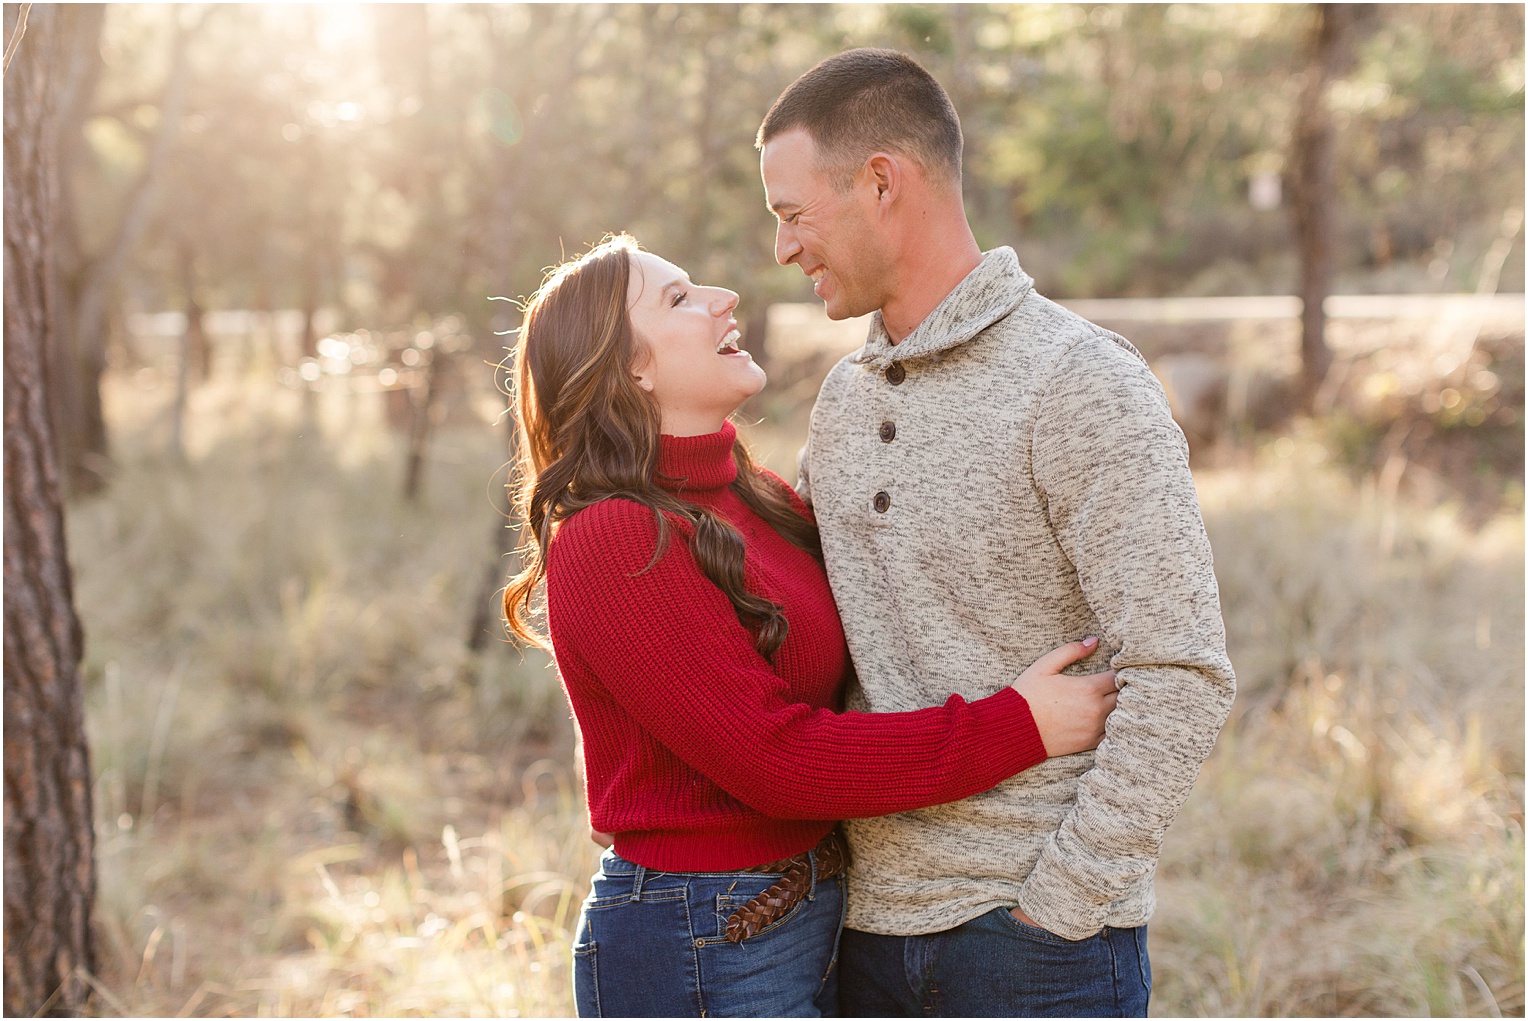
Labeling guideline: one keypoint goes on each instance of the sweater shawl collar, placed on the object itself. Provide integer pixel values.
(988, 293)
(696, 464)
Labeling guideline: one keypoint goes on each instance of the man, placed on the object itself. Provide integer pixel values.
(993, 476)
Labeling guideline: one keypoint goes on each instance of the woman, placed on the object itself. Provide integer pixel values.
(692, 623)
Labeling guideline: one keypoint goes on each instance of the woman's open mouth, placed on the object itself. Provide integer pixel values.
(729, 344)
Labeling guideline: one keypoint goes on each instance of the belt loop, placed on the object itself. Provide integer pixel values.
(811, 858)
(636, 883)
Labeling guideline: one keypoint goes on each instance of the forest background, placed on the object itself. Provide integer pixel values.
(287, 245)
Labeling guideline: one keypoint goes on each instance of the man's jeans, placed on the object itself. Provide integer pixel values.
(994, 966)
(653, 944)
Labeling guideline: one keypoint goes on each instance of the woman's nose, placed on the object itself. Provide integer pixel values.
(724, 302)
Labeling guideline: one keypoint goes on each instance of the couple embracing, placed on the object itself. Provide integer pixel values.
(829, 727)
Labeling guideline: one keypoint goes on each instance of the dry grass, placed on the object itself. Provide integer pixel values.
(313, 801)
(1355, 843)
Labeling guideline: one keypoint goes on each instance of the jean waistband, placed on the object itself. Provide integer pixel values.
(612, 864)
(797, 875)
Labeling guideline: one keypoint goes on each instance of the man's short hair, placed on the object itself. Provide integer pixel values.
(867, 100)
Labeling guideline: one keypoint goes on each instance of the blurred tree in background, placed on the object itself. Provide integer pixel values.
(399, 163)
(49, 869)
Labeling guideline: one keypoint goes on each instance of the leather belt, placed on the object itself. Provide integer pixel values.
(794, 883)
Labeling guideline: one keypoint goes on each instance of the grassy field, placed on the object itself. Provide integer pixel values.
(313, 800)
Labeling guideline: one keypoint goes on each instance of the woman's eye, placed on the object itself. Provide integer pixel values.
(678, 297)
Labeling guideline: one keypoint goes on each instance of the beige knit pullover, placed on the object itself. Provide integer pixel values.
(1006, 479)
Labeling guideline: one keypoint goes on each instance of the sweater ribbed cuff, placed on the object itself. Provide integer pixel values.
(1015, 737)
(1059, 904)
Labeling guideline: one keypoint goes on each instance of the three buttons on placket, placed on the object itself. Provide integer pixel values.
(895, 374)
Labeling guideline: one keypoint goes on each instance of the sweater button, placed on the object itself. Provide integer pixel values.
(882, 502)
(895, 373)
(888, 431)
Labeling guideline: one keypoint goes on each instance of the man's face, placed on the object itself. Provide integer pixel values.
(830, 234)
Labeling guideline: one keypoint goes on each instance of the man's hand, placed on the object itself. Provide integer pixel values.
(1018, 913)
(1019, 916)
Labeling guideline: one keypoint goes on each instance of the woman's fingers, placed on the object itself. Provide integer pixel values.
(1054, 661)
(1069, 710)
(1100, 680)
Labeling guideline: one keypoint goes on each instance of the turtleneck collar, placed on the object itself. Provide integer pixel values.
(695, 464)
(989, 292)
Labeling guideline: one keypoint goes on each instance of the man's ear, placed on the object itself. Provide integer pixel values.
(884, 172)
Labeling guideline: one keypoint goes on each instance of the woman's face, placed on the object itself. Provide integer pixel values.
(692, 364)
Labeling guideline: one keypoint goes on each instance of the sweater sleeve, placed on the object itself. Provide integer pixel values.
(667, 646)
(803, 475)
(1112, 467)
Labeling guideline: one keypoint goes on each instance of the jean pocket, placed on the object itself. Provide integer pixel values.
(1034, 932)
(737, 895)
(586, 979)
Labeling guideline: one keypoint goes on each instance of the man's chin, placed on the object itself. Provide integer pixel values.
(839, 310)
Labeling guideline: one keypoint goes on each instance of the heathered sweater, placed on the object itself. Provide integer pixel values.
(1006, 479)
(701, 755)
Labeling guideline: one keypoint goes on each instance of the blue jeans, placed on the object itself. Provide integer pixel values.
(653, 944)
(995, 966)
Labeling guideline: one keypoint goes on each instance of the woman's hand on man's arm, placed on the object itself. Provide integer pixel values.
(1068, 710)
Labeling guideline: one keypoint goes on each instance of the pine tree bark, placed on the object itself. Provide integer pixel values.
(1314, 200)
(49, 869)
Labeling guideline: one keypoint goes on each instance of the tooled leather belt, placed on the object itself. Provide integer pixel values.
(794, 883)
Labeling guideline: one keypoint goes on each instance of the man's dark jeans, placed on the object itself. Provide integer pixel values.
(994, 966)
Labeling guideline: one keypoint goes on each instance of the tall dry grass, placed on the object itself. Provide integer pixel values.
(312, 800)
(1355, 844)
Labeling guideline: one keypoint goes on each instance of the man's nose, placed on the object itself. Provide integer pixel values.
(786, 246)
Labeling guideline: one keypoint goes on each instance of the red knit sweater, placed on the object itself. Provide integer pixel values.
(700, 755)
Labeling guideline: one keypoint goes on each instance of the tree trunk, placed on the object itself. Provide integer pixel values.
(49, 871)
(194, 354)
(1313, 162)
(966, 94)
(488, 609)
(198, 344)
(423, 424)
(267, 353)
(86, 279)
(78, 424)
(716, 63)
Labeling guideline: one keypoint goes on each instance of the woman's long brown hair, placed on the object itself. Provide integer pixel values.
(589, 433)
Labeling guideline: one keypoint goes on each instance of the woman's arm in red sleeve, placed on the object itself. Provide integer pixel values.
(668, 647)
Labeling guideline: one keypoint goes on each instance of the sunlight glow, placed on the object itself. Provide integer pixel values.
(342, 26)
